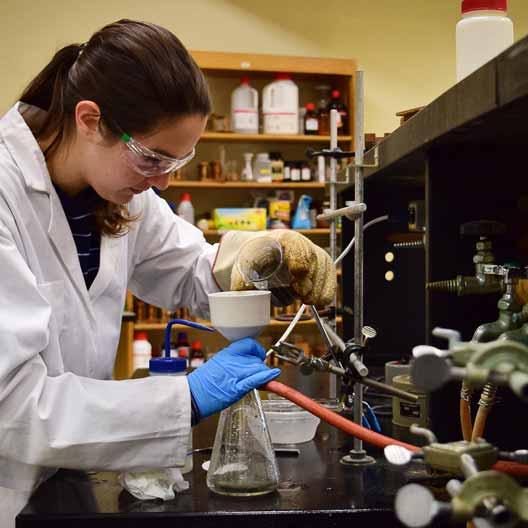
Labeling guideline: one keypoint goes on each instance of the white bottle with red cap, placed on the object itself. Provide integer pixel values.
(141, 350)
(186, 209)
(244, 108)
(280, 106)
(484, 31)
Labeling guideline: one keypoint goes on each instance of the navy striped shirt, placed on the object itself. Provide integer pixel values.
(79, 211)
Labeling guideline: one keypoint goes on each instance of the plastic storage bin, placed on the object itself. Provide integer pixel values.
(288, 423)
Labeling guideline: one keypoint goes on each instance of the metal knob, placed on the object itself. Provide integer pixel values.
(397, 455)
(416, 507)
(521, 456)
(429, 372)
(368, 333)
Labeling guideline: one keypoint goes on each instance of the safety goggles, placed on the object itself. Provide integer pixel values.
(149, 163)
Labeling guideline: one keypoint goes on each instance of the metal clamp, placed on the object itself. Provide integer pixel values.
(488, 497)
(337, 153)
(351, 212)
(448, 457)
(501, 362)
(294, 355)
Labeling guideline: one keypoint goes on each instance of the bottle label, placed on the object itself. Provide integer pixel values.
(264, 175)
(312, 124)
(197, 362)
(281, 123)
(295, 174)
(306, 174)
(245, 119)
(277, 170)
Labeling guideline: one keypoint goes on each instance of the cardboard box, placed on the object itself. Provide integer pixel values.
(240, 219)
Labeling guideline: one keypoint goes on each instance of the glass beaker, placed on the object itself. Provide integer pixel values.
(260, 262)
(243, 462)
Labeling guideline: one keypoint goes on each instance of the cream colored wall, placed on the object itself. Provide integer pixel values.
(406, 47)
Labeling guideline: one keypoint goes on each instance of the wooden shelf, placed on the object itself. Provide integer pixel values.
(269, 138)
(259, 62)
(144, 327)
(319, 231)
(194, 184)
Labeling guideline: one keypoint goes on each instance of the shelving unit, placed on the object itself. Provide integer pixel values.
(223, 71)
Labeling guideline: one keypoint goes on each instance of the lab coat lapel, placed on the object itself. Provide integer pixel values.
(61, 236)
(109, 264)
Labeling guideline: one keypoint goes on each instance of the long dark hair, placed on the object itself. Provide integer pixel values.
(138, 73)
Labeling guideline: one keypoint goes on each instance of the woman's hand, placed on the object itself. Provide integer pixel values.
(229, 375)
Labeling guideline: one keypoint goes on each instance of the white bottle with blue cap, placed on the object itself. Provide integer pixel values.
(169, 366)
(175, 366)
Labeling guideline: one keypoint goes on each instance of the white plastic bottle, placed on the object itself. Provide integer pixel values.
(280, 106)
(484, 31)
(141, 351)
(262, 168)
(186, 209)
(170, 366)
(244, 108)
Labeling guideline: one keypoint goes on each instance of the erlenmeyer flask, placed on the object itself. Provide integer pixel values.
(243, 461)
(261, 263)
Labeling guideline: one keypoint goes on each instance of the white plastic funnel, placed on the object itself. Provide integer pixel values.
(239, 314)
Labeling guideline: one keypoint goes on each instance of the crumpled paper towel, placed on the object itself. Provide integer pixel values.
(154, 484)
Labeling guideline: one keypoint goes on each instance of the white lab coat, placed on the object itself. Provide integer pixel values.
(58, 406)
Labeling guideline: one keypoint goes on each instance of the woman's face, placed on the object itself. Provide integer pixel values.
(106, 168)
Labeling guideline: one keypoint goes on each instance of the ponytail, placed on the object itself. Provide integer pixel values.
(46, 91)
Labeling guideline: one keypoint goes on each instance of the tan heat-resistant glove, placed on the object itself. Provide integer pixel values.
(312, 269)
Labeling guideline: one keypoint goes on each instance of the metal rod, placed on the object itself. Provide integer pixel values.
(350, 211)
(323, 332)
(359, 147)
(333, 191)
(333, 227)
(338, 342)
(389, 389)
(423, 431)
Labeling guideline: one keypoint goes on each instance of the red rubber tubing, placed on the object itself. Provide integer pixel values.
(352, 428)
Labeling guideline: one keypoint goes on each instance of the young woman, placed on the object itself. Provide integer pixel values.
(79, 224)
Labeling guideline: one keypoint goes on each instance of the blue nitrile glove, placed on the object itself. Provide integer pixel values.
(229, 375)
